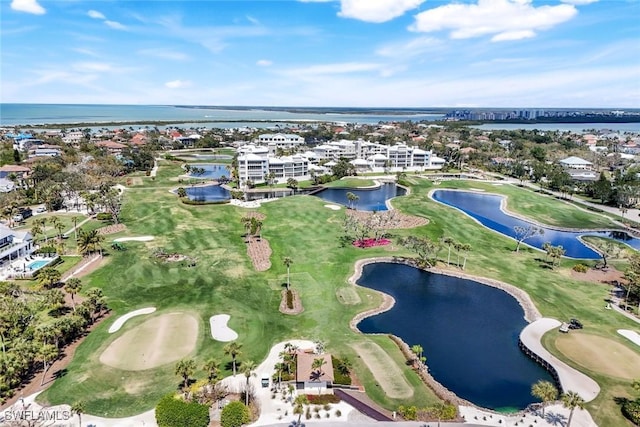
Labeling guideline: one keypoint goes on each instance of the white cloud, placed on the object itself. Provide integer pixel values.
(165, 54)
(376, 10)
(177, 84)
(84, 51)
(96, 15)
(92, 67)
(504, 19)
(264, 63)
(578, 2)
(253, 20)
(340, 68)
(115, 25)
(414, 47)
(28, 6)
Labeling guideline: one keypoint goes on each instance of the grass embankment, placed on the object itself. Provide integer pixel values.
(350, 183)
(223, 281)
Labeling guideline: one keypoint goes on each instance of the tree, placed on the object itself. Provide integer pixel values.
(78, 407)
(287, 262)
(47, 354)
(48, 276)
(212, 368)
(172, 411)
(572, 400)
(248, 368)
(185, 368)
(424, 247)
(465, 248)
(235, 414)
(72, 286)
(182, 192)
(449, 242)
(89, 241)
(545, 391)
(352, 199)
(298, 406)
(36, 231)
(418, 350)
(525, 233)
(233, 349)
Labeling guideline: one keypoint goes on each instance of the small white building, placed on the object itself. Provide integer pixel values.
(14, 244)
(574, 162)
(280, 140)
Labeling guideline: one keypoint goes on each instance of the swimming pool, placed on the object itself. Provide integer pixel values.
(38, 264)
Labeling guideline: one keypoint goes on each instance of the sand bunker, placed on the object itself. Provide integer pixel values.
(631, 335)
(156, 342)
(384, 370)
(600, 354)
(134, 239)
(219, 329)
(120, 321)
(332, 207)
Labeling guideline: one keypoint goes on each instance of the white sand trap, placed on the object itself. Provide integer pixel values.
(134, 239)
(332, 207)
(158, 341)
(631, 335)
(120, 321)
(219, 329)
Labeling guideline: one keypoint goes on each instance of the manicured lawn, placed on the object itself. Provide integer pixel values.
(300, 227)
(350, 183)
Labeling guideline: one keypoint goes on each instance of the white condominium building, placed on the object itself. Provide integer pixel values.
(280, 140)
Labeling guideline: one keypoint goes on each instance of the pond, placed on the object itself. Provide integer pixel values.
(486, 209)
(211, 171)
(369, 199)
(469, 333)
(208, 193)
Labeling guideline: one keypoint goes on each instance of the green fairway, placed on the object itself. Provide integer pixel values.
(350, 183)
(299, 227)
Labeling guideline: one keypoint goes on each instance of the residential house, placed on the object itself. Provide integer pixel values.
(21, 172)
(309, 377)
(574, 162)
(114, 148)
(14, 244)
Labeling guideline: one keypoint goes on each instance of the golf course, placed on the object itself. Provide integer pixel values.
(127, 372)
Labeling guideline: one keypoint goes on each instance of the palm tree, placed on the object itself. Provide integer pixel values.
(48, 276)
(287, 262)
(233, 349)
(41, 223)
(247, 369)
(449, 242)
(317, 364)
(60, 228)
(78, 408)
(572, 400)
(72, 287)
(418, 350)
(181, 192)
(88, 241)
(36, 230)
(212, 368)
(545, 391)
(46, 354)
(352, 198)
(246, 222)
(298, 407)
(75, 226)
(466, 248)
(185, 368)
(55, 222)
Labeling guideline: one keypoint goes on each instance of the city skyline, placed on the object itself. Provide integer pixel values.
(349, 53)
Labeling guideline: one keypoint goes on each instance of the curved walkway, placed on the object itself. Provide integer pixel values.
(569, 378)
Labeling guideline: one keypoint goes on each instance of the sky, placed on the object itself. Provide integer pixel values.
(340, 53)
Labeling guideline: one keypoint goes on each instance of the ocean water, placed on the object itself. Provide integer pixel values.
(37, 114)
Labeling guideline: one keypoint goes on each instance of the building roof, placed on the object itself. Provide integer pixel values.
(305, 372)
(110, 144)
(573, 160)
(14, 168)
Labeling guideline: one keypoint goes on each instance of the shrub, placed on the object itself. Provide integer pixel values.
(104, 216)
(338, 413)
(175, 412)
(580, 268)
(409, 413)
(340, 372)
(234, 414)
(631, 410)
(322, 399)
(289, 299)
(46, 250)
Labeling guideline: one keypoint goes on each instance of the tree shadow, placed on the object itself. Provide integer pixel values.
(555, 419)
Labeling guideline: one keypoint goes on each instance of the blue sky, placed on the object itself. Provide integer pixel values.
(360, 53)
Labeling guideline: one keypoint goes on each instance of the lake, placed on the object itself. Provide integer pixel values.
(372, 199)
(207, 193)
(469, 333)
(486, 208)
